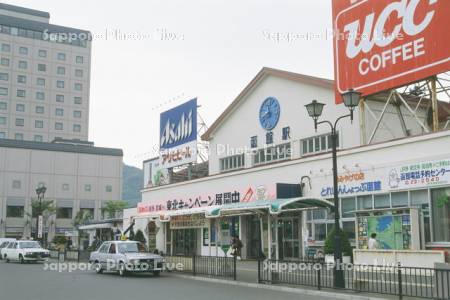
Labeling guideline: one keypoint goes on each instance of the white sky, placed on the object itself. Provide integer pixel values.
(219, 47)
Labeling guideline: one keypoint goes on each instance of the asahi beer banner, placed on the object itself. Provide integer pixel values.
(400, 177)
(383, 44)
(206, 196)
(178, 135)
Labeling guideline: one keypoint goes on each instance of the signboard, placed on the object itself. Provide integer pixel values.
(178, 135)
(40, 226)
(189, 221)
(154, 175)
(383, 44)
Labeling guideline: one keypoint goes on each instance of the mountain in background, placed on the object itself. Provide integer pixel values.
(133, 179)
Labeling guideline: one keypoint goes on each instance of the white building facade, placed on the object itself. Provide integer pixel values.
(268, 183)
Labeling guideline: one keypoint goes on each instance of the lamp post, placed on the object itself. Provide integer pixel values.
(40, 191)
(351, 100)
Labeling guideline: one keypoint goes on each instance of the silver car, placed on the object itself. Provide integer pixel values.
(125, 257)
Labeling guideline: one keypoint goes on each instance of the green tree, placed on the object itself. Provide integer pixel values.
(46, 207)
(82, 217)
(139, 237)
(111, 208)
(346, 248)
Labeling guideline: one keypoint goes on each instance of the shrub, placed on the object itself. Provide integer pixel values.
(59, 240)
(139, 236)
(345, 243)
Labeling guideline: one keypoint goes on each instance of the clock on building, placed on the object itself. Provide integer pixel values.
(269, 113)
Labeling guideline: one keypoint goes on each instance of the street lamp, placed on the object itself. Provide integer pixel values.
(40, 191)
(351, 100)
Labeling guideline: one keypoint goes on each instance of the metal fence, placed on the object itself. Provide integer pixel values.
(73, 255)
(392, 280)
(203, 265)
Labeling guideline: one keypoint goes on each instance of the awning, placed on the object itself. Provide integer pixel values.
(95, 226)
(273, 206)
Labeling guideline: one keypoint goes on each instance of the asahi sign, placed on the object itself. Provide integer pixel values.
(178, 135)
(383, 44)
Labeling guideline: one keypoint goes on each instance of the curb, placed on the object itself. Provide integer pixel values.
(332, 295)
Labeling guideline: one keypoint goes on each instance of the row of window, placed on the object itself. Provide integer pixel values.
(41, 96)
(17, 184)
(23, 65)
(74, 40)
(61, 56)
(232, 162)
(40, 110)
(18, 211)
(39, 81)
(317, 144)
(20, 122)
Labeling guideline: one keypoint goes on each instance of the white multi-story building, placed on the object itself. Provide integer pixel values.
(44, 77)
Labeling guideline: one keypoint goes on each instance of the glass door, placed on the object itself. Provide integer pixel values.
(185, 241)
(288, 238)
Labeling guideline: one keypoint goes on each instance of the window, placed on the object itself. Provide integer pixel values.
(382, 201)
(6, 47)
(61, 56)
(77, 114)
(254, 142)
(78, 73)
(2, 135)
(59, 112)
(20, 107)
(16, 184)
(61, 71)
(4, 62)
(76, 127)
(40, 81)
(317, 144)
(87, 187)
(60, 84)
(38, 138)
(42, 67)
(272, 154)
(77, 100)
(399, 199)
(269, 137)
(4, 76)
(23, 64)
(64, 213)
(39, 109)
(59, 126)
(21, 93)
(3, 106)
(79, 59)
(232, 162)
(364, 202)
(78, 87)
(3, 91)
(440, 207)
(23, 50)
(40, 95)
(60, 98)
(108, 188)
(42, 53)
(21, 79)
(2, 120)
(20, 122)
(18, 136)
(319, 214)
(349, 228)
(419, 198)
(65, 187)
(286, 133)
(348, 205)
(14, 211)
(320, 231)
(39, 124)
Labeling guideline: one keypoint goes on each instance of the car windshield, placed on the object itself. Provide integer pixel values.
(27, 245)
(4, 244)
(131, 247)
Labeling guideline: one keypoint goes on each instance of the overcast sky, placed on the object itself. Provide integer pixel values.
(185, 49)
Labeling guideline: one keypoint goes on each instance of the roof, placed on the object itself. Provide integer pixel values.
(60, 147)
(41, 26)
(24, 10)
(321, 82)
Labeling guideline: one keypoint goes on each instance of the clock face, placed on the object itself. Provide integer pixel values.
(269, 113)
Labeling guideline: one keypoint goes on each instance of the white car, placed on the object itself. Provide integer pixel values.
(25, 251)
(3, 244)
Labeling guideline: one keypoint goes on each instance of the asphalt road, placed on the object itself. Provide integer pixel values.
(32, 282)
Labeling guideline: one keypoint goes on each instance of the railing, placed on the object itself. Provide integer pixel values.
(203, 265)
(63, 255)
(391, 280)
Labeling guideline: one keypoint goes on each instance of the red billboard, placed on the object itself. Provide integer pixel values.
(383, 44)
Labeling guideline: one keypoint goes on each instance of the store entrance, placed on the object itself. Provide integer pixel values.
(253, 237)
(184, 241)
(288, 238)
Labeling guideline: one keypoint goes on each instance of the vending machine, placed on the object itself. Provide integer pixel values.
(396, 229)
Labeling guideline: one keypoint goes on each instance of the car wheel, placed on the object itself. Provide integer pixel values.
(156, 273)
(21, 259)
(122, 269)
(6, 258)
(98, 268)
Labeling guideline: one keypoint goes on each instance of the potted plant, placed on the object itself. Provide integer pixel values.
(346, 248)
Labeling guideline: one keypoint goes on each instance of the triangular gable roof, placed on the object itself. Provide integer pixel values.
(322, 82)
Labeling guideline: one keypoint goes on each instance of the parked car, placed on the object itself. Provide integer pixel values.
(125, 257)
(25, 251)
(3, 244)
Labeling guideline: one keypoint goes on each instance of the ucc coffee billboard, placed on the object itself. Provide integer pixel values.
(383, 44)
(178, 135)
